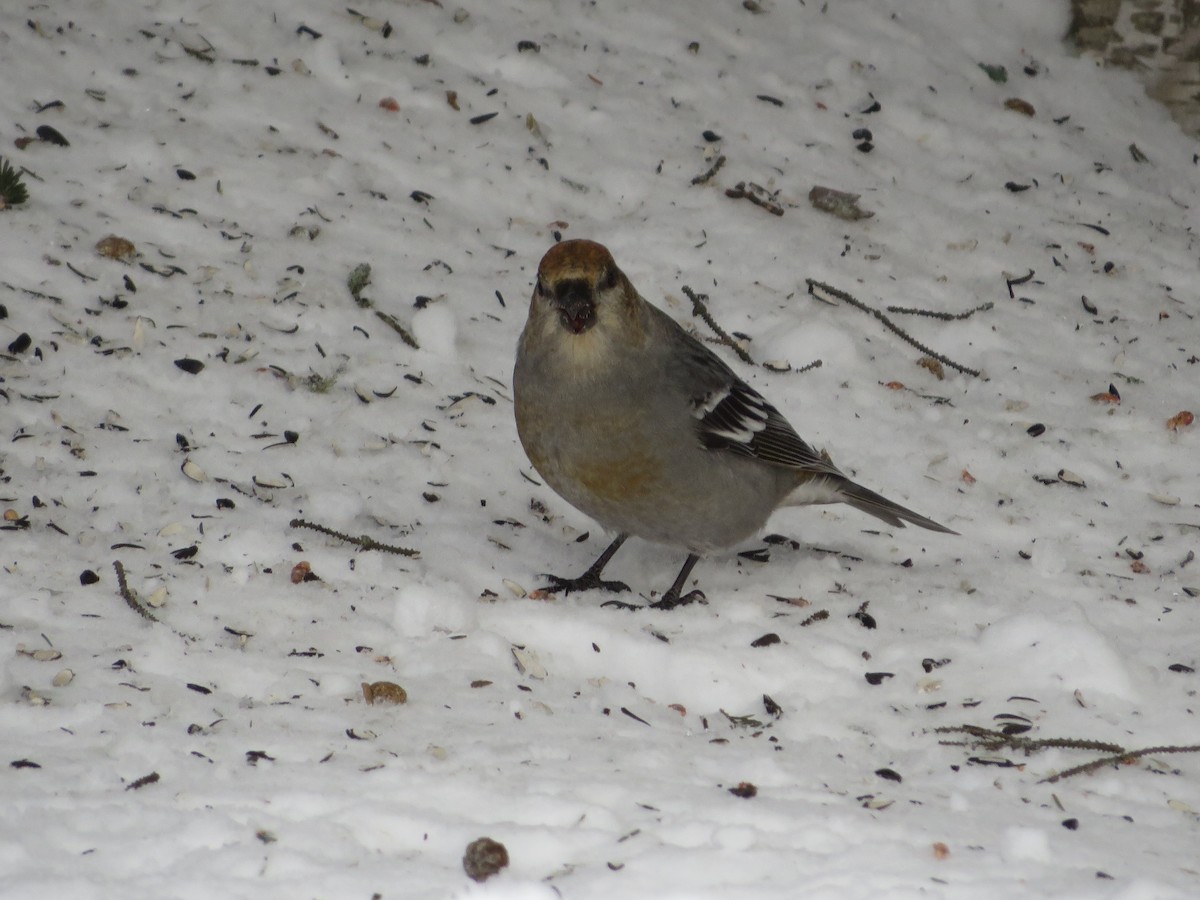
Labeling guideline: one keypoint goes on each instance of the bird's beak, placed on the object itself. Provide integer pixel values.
(577, 308)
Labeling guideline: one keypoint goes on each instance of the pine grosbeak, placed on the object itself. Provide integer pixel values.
(636, 423)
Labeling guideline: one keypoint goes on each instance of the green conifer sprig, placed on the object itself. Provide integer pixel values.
(12, 190)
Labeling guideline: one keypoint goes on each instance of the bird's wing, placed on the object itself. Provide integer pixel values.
(738, 419)
(733, 417)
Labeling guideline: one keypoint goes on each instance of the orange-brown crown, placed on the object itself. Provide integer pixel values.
(575, 259)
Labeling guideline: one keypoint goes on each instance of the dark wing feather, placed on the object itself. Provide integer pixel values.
(735, 418)
(739, 420)
(732, 417)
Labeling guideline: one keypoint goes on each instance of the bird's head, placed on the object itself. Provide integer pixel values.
(579, 285)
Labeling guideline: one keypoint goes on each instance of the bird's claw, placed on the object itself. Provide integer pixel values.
(670, 601)
(666, 604)
(621, 604)
(585, 582)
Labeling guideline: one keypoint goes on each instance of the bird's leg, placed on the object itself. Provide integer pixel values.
(591, 578)
(671, 598)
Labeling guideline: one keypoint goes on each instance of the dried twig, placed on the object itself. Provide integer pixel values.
(129, 596)
(29, 292)
(359, 278)
(743, 721)
(364, 542)
(1017, 282)
(713, 170)
(814, 286)
(83, 276)
(138, 783)
(405, 334)
(1118, 759)
(934, 314)
(700, 309)
(990, 739)
(204, 54)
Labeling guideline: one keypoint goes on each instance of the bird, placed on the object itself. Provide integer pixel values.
(641, 427)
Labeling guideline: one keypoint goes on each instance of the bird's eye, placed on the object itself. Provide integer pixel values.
(608, 280)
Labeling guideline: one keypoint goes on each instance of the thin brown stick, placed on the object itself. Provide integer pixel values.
(934, 314)
(364, 541)
(700, 309)
(713, 170)
(128, 595)
(990, 739)
(1117, 759)
(405, 334)
(814, 286)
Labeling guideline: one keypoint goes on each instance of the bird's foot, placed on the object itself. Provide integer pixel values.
(588, 581)
(672, 600)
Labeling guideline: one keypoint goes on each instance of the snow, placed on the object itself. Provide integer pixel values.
(605, 767)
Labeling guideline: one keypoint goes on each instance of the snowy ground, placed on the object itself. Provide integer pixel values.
(243, 149)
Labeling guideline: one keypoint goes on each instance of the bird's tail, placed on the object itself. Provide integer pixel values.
(882, 508)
